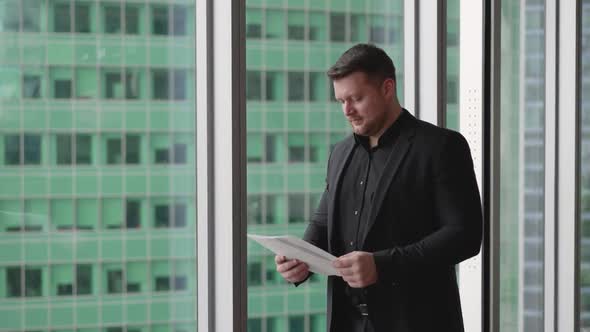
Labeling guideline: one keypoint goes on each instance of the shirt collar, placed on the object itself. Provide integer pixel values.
(388, 136)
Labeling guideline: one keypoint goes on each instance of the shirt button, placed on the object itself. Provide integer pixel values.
(351, 243)
(361, 183)
(356, 212)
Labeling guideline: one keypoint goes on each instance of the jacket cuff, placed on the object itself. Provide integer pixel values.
(386, 271)
(304, 280)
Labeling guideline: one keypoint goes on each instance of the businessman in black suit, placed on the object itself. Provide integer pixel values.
(401, 208)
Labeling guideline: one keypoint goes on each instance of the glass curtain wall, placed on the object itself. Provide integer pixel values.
(97, 165)
(522, 165)
(584, 166)
(292, 123)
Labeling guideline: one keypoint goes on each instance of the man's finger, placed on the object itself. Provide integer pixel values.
(296, 273)
(343, 262)
(286, 266)
(280, 259)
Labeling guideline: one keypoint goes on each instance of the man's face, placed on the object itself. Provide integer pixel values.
(365, 103)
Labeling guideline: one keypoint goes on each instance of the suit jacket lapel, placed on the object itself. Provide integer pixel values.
(340, 163)
(394, 160)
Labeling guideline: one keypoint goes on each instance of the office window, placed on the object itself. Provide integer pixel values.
(275, 24)
(83, 145)
(86, 83)
(160, 20)
(113, 84)
(270, 148)
(115, 280)
(61, 82)
(179, 77)
(296, 88)
(64, 149)
(296, 323)
(254, 209)
(62, 18)
(133, 149)
(180, 215)
(62, 88)
(32, 149)
(160, 84)
(254, 324)
(254, 274)
(161, 216)
(82, 18)
(13, 282)
(337, 27)
(114, 151)
(12, 149)
(296, 25)
(179, 20)
(296, 148)
(112, 18)
(132, 83)
(33, 282)
(296, 207)
(62, 280)
(31, 86)
(179, 154)
(133, 214)
(162, 284)
(275, 85)
(10, 19)
(253, 85)
(30, 15)
(254, 23)
(377, 34)
(318, 26)
(317, 86)
(358, 27)
(131, 19)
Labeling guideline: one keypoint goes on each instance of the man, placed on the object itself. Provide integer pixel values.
(401, 208)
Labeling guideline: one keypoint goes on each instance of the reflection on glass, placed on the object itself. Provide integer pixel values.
(522, 167)
(584, 168)
(97, 203)
(292, 123)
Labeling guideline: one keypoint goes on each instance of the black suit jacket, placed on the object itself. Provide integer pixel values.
(425, 218)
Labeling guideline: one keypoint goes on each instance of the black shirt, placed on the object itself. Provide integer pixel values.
(355, 197)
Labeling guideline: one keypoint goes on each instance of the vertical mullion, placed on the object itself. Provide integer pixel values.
(491, 166)
(567, 168)
(550, 165)
(428, 61)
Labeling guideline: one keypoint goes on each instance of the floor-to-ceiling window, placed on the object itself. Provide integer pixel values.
(97, 164)
(522, 172)
(292, 123)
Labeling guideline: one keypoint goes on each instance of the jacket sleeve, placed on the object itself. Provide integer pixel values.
(458, 217)
(316, 232)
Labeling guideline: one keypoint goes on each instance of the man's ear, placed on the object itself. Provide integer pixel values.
(388, 87)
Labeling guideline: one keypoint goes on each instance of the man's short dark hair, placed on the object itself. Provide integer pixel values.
(365, 58)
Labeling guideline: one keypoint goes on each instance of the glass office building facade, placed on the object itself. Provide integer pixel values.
(97, 165)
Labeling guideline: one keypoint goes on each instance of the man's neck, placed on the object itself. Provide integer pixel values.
(394, 113)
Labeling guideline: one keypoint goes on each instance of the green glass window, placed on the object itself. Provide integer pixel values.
(338, 27)
(112, 18)
(131, 19)
(62, 18)
(296, 86)
(253, 85)
(82, 18)
(160, 21)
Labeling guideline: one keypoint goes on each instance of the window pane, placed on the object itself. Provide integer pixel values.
(86, 208)
(62, 18)
(112, 19)
(292, 121)
(82, 18)
(522, 170)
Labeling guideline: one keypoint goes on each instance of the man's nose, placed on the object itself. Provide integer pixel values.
(347, 108)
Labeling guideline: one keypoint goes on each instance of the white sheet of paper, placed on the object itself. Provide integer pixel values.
(318, 260)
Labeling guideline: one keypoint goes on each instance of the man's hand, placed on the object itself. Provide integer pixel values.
(357, 268)
(291, 269)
